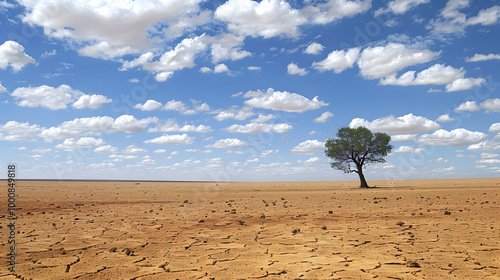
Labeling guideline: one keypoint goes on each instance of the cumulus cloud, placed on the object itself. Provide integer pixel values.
(182, 108)
(407, 124)
(468, 106)
(182, 56)
(310, 160)
(308, 147)
(400, 6)
(263, 118)
(256, 128)
(171, 126)
(227, 47)
(93, 101)
(492, 104)
(19, 132)
(314, 48)
(409, 149)
(266, 18)
(12, 54)
(456, 137)
(294, 69)
(444, 118)
(324, 117)
(134, 150)
(57, 98)
(80, 143)
(438, 74)
(333, 10)
(109, 29)
(108, 149)
(285, 101)
(379, 62)
(220, 68)
(482, 57)
(239, 115)
(486, 145)
(228, 143)
(464, 84)
(175, 139)
(2, 89)
(149, 105)
(128, 123)
(494, 128)
(338, 60)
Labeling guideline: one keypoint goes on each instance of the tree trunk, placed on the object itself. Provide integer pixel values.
(362, 179)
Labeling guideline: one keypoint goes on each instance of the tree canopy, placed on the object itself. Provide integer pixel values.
(357, 147)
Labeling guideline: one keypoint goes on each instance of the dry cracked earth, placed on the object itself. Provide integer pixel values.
(413, 229)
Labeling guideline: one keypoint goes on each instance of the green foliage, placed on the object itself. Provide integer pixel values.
(357, 146)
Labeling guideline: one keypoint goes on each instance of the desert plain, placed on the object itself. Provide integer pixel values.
(406, 229)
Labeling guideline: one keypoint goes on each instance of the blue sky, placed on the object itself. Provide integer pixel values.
(243, 90)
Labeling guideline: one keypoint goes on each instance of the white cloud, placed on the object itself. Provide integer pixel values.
(106, 149)
(228, 143)
(128, 123)
(159, 151)
(310, 160)
(133, 80)
(468, 106)
(227, 47)
(12, 53)
(489, 155)
(205, 70)
(254, 68)
(378, 62)
(267, 153)
(266, 19)
(482, 57)
(308, 147)
(456, 137)
(93, 101)
(256, 128)
(487, 145)
(2, 89)
(171, 126)
(239, 115)
(285, 101)
(487, 16)
(324, 117)
(338, 60)
(80, 143)
(464, 84)
(494, 128)
(220, 68)
(182, 108)
(403, 137)
(409, 149)
(334, 10)
(407, 124)
(91, 124)
(492, 104)
(18, 132)
(175, 139)
(401, 6)
(109, 29)
(314, 48)
(263, 118)
(182, 56)
(134, 150)
(149, 105)
(444, 118)
(454, 21)
(294, 69)
(438, 74)
(46, 96)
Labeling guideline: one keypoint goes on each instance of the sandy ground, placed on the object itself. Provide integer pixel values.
(412, 229)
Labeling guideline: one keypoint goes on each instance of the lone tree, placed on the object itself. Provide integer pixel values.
(357, 146)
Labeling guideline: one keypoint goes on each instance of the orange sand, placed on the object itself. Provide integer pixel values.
(412, 229)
